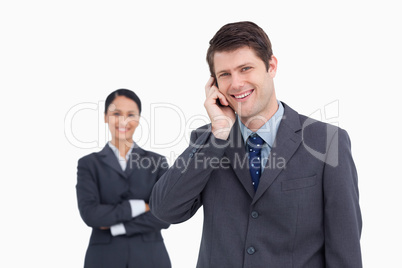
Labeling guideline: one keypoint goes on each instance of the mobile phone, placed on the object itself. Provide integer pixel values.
(219, 103)
(217, 100)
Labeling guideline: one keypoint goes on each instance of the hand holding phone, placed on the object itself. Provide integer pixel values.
(221, 114)
(217, 100)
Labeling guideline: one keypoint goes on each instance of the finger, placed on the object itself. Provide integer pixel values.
(212, 93)
(209, 85)
(222, 99)
(210, 82)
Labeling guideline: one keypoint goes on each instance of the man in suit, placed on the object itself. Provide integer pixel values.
(278, 189)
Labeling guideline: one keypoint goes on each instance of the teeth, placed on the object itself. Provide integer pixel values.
(243, 95)
(122, 129)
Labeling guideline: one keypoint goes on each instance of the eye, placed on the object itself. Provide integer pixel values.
(116, 114)
(224, 74)
(133, 115)
(245, 69)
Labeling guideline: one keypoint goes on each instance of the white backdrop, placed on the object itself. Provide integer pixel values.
(60, 59)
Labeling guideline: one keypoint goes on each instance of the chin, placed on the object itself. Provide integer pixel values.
(128, 137)
(245, 113)
(123, 137)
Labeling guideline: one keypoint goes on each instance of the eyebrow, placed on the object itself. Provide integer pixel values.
(118, 110)
(236, 68)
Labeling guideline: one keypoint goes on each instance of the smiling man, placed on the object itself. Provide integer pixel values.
(278, 189)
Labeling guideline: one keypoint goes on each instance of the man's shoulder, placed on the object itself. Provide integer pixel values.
(317, 133)
(201, 130)
(308, 122)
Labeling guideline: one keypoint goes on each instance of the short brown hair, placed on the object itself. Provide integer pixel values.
(236, 35)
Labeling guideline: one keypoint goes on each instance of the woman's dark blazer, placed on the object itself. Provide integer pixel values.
(103, 193)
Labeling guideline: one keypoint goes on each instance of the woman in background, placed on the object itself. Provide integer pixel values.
(113, 189)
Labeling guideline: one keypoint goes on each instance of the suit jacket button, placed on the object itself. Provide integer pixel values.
(194, 150)
(254, 214)
(251, 250)
(191, 155)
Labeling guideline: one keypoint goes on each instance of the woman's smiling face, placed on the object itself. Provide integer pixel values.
(123, 117)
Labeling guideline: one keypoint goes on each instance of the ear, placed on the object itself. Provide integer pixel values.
(106, 119)
(273, 64)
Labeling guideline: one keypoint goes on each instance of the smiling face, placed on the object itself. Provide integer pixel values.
(247, 85)
(123, 118)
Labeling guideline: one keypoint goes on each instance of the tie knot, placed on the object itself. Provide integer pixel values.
(255, 141)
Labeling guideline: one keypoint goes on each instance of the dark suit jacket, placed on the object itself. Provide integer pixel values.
(305, 212)
(103, 191)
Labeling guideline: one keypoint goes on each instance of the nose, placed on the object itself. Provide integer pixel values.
(122, 121)
(126, 120)
(237, 82)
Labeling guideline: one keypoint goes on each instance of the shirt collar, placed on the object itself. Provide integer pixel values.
(268, 131)
(116, 151)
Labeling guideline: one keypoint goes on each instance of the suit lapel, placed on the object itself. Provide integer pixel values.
(236, 153)
(286, 143)
(134, 161)
(109, 158)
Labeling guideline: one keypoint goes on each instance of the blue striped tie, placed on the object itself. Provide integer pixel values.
(255, 144)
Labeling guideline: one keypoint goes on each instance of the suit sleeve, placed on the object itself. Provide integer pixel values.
(176, 197)
(343, 221)
(147, 222)
(92, 211)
